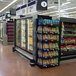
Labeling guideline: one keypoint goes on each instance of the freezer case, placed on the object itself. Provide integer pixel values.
(30, 35)
(18, 31)
(1, 30)
(23, 34)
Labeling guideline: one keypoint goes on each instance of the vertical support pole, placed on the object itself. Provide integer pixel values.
(59, 8)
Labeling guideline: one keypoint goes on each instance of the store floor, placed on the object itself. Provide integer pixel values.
(12, 64)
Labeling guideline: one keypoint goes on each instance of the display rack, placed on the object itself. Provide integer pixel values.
(68, 38)
(48, 39)
(10, 31)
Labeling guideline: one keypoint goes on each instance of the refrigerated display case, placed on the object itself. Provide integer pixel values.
(1, 30)
(68, 38)
(18, 31)
(23, 34)
(30, 35)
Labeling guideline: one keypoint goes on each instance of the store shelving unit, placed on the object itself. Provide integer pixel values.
(68, 38)
(10, 31)
(48, 39)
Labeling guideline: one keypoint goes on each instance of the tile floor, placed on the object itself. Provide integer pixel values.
(12, 64)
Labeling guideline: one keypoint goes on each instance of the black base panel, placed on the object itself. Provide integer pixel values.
(42, 67)
(67, 58)
(13, 49)
(68, 53)
(21, 54)
(24, 50)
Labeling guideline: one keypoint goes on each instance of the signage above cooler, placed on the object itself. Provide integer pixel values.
(4, 17)
(18, 11)
(24, 9)
(8, 15)
(42, 5)
(32, 7)
(1, 17)
(21, 10)
(12, 11)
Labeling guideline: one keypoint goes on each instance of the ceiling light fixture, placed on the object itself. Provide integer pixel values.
(60, 10)
(68, 0)
(66, 3)
(8, 5)
(51, 7)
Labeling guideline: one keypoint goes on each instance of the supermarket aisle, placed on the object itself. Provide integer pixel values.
(11, 64)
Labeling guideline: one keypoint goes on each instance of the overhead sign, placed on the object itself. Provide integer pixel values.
(42, 4)
(4, 17)
(18, 11)
(32, 7)
(24, 9)
(12, 11)
(8, 15)
(1, 17)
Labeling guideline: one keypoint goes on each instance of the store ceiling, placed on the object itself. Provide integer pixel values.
(4, 3)
(68, 7)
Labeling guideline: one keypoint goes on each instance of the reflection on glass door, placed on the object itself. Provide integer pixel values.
(30, 35)
(1, 30)
(23, 34)
(18, 31)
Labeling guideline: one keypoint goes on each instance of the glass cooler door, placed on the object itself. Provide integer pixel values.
(18, 33)
(23, 34)
(30, 35)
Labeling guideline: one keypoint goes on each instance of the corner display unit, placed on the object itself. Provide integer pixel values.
(48, 39)
(68, 38)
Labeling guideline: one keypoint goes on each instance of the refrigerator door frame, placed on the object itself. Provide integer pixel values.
(23, 52)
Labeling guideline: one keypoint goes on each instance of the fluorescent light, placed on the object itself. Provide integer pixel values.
(51, 7)
(60, 10)
(69, 12)
(61, 15)
(69, 8)
(8, 5)
(50, 12)
(68, 0)
(66, 3)
(53, 15)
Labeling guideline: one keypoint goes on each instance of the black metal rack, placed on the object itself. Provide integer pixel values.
(67, 53)
(41, 60)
